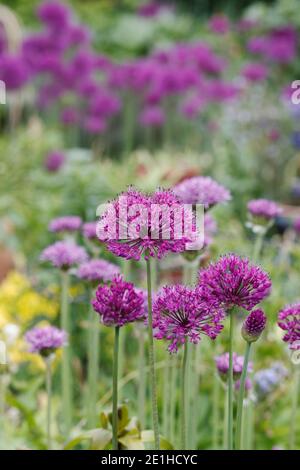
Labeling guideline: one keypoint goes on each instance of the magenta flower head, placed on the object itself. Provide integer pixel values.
(248, 384)
(296, 226)
(54, 14)
(46, 340)
(233, 281)
(201, 190)
(89, 230)
(119, 303)
(180, 315)
(219, 24)
(54, 161)
(289, 321)
(133, 225)
(64, 254)
(255, 72)
(97, 270)
(263, 209)
(69, 223)
(254, 325)
(222, 363)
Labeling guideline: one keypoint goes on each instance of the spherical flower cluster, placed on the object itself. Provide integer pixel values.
(233, 281)
(254, 325)
(64, 254)
(119, 303)
(69, 223)
(54, 161)
(222, 364)
(255, 72)
(266, 380)
(45, 340)
(279, 45)
(289, 321)
(248, 384)
(180, 315)
(89, 230)
(201, 190)
(219, 24)
(263, 208)
(97, 270)
(133, 225)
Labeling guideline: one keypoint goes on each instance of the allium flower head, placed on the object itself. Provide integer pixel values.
(180, 315)
(289, 321)
(255, 72)
(45, 340)
(97, 270)
(133, 225)
(119, 303)
(254, 325)
(222, 363)
(266, 380)
(54, 161)
(201, 190)
(64, 254)
(69, 223)
(296, 226)
(263, 208)
(233, 281)
(89, 230)
(248, 384)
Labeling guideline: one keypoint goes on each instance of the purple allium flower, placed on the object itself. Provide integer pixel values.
(266, 380)
(54, 161)
(219, 24)
(133, 225)
(69, 116)
(97, 270)
(68, 223)
(180, 315)
(222, 363)
(296, 226)
(45, 340)
(255, 72)
(89, 230)
(13, 72)
(289, 321)
(263, 208)
(119, 303)
(152, 116)
(149, 10)
(210, 229)
(201, 190)
(64, 254)
(248, 384)
(254, 325)
(233, 281)
(54, 14)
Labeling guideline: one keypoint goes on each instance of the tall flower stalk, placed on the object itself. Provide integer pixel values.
(230, 384)
(115, 390)
(294, 408)
(66, 376)
(48, 362)
(184, 396)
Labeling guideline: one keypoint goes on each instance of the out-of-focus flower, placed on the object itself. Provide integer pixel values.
(255, 72)
(222, 364)
(46, 340)
(180, 315)
(219, 24)
(267, 380)
(97, 270)
(248, 384)
(201, 190)
(210, 229)
(13, 72)
(119, 303)
(68, 223)
(264, 209)
(233, 281)
(64, 254)
(152, 116)
(54, 161)
(54, 14)
(254, 325)
(296, 226)
(289, 321)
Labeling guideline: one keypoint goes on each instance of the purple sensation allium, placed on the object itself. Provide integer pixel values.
(254, 325)
(13, 72)
(64, 254)
(68, 223)
(132, 226)
(89, 230)
(119, 303)
(233, 281)
(180, 315)
(201, 190)
(255, 72)
(45, 340)
(248, 384)
(97, 270)
(222, 364)
(264, 209)
(149, 10)
(296, 226)
(69, 116)
(219, 24)
(152, 116)
(54, 161)
(289, 321)
(54, 14)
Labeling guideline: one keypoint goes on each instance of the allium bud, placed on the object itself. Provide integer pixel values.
(254, 325)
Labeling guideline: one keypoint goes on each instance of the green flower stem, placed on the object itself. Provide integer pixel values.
(142, 380)
(258, 245)
(184, 396)
(215, 416)
(295, 398)
(115, 390)
(66, 356)
(48, 362)
(152, 360)
(172, 398)
(225, 431)
(93, 366)
(239, 416)
(166, 398)
(230, 383)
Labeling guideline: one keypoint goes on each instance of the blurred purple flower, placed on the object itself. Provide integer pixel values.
(97, 270)
(68, 223)
(289, 321)
(64, 254)
(255, 72)
(54, 161)
(264, 209)
(201, 190)
(219, 24)
(45, 340)
(222, 364)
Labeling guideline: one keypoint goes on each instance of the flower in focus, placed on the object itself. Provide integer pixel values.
(64, 254)
(69, 223)
(201, 190)
(254, 325)
(289, 321)
(45, 340)
(180, 315)
(119, 303)
(233, 281)
(222, 364)
(97, 270)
